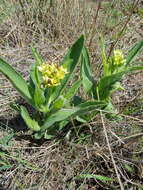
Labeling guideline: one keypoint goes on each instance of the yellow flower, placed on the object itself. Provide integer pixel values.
(52, 74)
(61, 72)
(119, 57)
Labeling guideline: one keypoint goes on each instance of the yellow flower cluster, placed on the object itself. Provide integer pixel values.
(52, 74)
(119, 57)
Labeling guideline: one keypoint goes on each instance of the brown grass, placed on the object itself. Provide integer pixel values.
(55, 164)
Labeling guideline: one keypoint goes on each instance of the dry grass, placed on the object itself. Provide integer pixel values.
(39, 165)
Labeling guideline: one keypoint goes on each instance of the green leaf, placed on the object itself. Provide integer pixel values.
(58, 116)
(34, 75)
(49, 95)
(86, 74)
(31, 123)
(80, 119)
(33, 80)
(34, 87)
(71, 92)
(117, 86)
(38, 135)
(111, 112)
(70, 61)
(62, 124)
(106, 84)
(59, 103)
(133, 52)
(104, 58)
(39, 98)
(37, 56)
(97, 177)
(90, 106)
(74, 53)
(31, 88)
(16, 79)
(134, 68)
(47, 136)
(63, 114)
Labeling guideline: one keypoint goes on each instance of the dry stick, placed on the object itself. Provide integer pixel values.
(131, 117)
(129, 181)
(27, 147)
(120, 34)
(110, 151)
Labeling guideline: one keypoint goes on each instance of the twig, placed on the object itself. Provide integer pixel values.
(133, 118)
(128, 140)
(110, 151)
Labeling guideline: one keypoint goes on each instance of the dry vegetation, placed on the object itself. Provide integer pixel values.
(110, 148)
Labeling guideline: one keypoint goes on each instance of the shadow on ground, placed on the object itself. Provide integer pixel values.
(20, 129)
(16, 123)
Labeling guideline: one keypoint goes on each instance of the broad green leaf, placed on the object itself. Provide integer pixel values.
(97, 177)
(86, 74)
(34, 75)
(80, 119)
(93, 107)
(31, 123)
(58, 116)
(139, 63)
(110, 108)
(16, 79)
(39, 98)
(134, 68)
(64, 114)
(49, 94)
(34, 87)
(133, 52)
(106, 84)
(72, 90)
(74, 53)
(70, 61)
(59, 103)
(37, 56)
(90, 106)
(31, 88)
